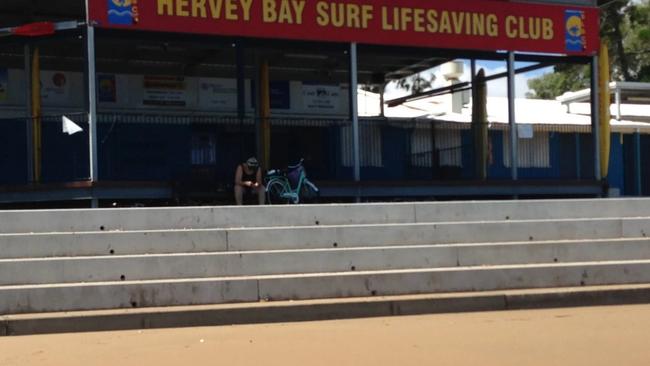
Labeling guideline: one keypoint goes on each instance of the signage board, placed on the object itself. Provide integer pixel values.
(166, 91)
(468, 24)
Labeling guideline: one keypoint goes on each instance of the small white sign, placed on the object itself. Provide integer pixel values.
(525, 131)
(220, 94)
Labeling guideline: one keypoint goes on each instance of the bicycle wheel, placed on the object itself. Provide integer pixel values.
(275, 190)
(309, 192)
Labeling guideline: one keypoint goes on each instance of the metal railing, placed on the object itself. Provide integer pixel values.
(161, 147)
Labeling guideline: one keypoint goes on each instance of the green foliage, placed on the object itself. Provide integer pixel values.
(637, 41)
(625, 27)
(564, 78)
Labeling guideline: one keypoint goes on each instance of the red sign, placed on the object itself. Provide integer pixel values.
(461, 24)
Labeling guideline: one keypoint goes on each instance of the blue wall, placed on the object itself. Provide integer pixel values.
(140, 152)
(616, 176)
(13, 151)
(65, 157)
(161, 152)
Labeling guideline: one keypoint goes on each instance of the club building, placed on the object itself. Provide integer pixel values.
(172, 94)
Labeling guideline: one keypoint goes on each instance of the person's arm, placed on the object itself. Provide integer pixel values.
(238, 174)
(259, 177)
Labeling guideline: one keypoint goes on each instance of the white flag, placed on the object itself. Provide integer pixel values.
(70, 127)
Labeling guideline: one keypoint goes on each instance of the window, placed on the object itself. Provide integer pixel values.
(204, 149)
(370, 145)
(448, 144)
(532, 152)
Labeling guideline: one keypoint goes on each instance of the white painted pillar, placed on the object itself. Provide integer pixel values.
(354, 114)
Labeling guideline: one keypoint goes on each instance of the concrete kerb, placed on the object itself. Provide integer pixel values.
(598, 297)
(4, 326)
(317, 310)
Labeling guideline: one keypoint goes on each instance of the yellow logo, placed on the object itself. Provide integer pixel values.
(122, 3)
(574, 26)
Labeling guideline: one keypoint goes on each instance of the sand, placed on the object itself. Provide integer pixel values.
(573, 336)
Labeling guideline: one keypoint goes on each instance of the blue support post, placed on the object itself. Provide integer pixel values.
(578, 157)
(28, 114)
(637, 161)
(241, 94)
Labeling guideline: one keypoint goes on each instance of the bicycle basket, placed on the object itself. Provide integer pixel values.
(293, 175)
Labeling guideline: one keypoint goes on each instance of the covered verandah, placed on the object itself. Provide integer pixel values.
(275, 121)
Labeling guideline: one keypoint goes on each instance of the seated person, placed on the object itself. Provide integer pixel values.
(248, 179)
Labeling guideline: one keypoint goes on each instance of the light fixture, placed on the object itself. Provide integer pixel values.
(306, 56)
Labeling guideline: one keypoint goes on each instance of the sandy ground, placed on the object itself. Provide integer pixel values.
(584, 336)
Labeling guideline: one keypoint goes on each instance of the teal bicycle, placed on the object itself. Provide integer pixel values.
(289, 186)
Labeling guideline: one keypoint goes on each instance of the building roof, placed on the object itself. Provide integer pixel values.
(550, 115)
(629, 92)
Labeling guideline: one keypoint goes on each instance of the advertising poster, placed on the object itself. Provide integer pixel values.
(164, 91)
(321, 98)
(4, 84)
(55, 87)
(107, 88)
(219, 94)
(279, 93)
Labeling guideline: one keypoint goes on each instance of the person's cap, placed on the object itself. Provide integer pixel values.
(252, 162)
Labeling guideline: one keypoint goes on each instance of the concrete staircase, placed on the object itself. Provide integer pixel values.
(73, 260)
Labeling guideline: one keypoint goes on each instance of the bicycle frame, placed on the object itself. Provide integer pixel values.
(285, 192)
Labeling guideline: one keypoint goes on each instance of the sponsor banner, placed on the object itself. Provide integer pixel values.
(4, 84)
(164, 91)
(467, 24)
(107, 88)
(321, 98)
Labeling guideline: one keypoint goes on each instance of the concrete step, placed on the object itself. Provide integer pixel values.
(314, 237)
(129, 294)
(435, 233)
(112, 243)
(200, 265)
(36, 221)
